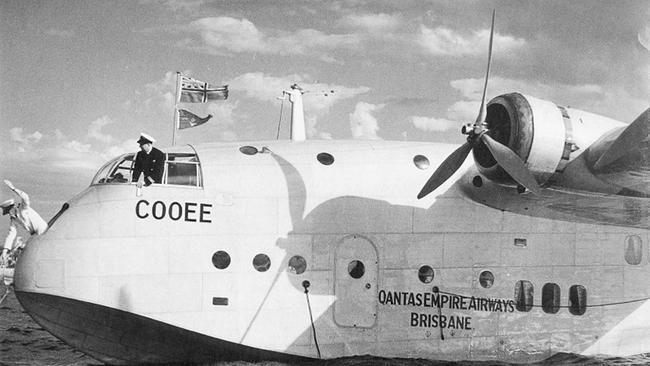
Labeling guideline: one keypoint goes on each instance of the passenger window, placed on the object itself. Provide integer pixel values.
(524, 295)
(356, 269)
(183, 169)
(486, 279)
(425, 274)
(551, 298)
(577, 299)
(633, 249)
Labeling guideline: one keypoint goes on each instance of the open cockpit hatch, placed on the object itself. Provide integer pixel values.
(182, 168)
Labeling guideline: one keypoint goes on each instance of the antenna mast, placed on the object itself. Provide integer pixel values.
(298, 132)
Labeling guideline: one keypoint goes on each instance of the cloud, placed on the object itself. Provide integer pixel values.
(223, 113)
(607, 100)
(77, 146)
(16, 134)
(57, 152)
(223, 120)
(118, 149)
(226, 35)
(473, 88)
(153, 99)
(312, 132)
(446, 42)
(362, 123)
(433, 124)
(465, 110)
(644, 37)
(372, 22)
(268, 88)
(190, 6)
(317, 100)
(95, 130)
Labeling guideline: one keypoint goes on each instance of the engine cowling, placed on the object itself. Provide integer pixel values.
(544, 135)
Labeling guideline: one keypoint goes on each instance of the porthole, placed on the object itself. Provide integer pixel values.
(551, 298)
(356, 269)
(577, 299)
(524, 295)
(248, 150)
(421, 162)
(325, 158)
(221, 259)
(425, 274)
(633, 249)
(297, 264)
(477, 181)
(262, 262)
(486, 279)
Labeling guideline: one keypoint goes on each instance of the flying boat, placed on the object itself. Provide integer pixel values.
(295, 250)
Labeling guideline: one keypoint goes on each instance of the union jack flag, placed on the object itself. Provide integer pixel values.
(195, 91)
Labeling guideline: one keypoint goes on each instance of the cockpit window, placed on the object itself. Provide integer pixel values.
(122, 171)
(181, 169)
(116, 171)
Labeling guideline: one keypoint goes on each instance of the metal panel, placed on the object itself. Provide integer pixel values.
(356, 304)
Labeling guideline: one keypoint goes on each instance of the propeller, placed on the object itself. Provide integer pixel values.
(476, 134)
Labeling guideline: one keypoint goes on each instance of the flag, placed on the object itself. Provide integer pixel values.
(188, 119)
(195, 91)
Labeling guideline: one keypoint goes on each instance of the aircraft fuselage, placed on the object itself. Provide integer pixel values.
(218, 270)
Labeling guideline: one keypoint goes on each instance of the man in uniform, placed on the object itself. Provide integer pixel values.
(149, 161)
(21, 214)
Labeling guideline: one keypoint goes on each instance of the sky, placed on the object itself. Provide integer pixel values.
(82, 79)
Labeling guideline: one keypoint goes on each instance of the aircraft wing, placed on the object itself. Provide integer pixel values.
(622, 157)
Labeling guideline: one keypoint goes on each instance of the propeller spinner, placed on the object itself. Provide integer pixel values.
(479, 133)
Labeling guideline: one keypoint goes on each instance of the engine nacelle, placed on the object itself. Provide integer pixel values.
(544, 135)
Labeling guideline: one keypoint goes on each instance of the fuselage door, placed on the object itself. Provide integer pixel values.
(356, 283)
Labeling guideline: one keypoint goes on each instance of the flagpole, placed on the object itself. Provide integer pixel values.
(176, 100)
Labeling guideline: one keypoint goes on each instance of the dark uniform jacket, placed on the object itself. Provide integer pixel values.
(151, 165)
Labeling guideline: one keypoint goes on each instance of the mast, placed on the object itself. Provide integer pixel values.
(176, 100)
(298, 132)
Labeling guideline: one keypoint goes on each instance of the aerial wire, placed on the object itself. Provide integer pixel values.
(277, 137)
(306, 284)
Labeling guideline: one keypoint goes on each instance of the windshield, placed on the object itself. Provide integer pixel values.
(116, 171)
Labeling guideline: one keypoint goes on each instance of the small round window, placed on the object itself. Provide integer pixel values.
(248, 150)
(486, 279)
(221, 259)
(421, 162)
(262, 262)
(325, 158)
(297, 264)
(425, 274)
(356, 269)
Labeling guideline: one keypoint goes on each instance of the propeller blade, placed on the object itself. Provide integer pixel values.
(631, 137)
(511, 163)
(480, 119)
(446, 169)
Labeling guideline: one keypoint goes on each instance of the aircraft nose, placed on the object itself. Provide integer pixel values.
(41, 265)
(36, 273)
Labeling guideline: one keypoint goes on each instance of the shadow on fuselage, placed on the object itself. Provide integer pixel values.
(407, 237)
